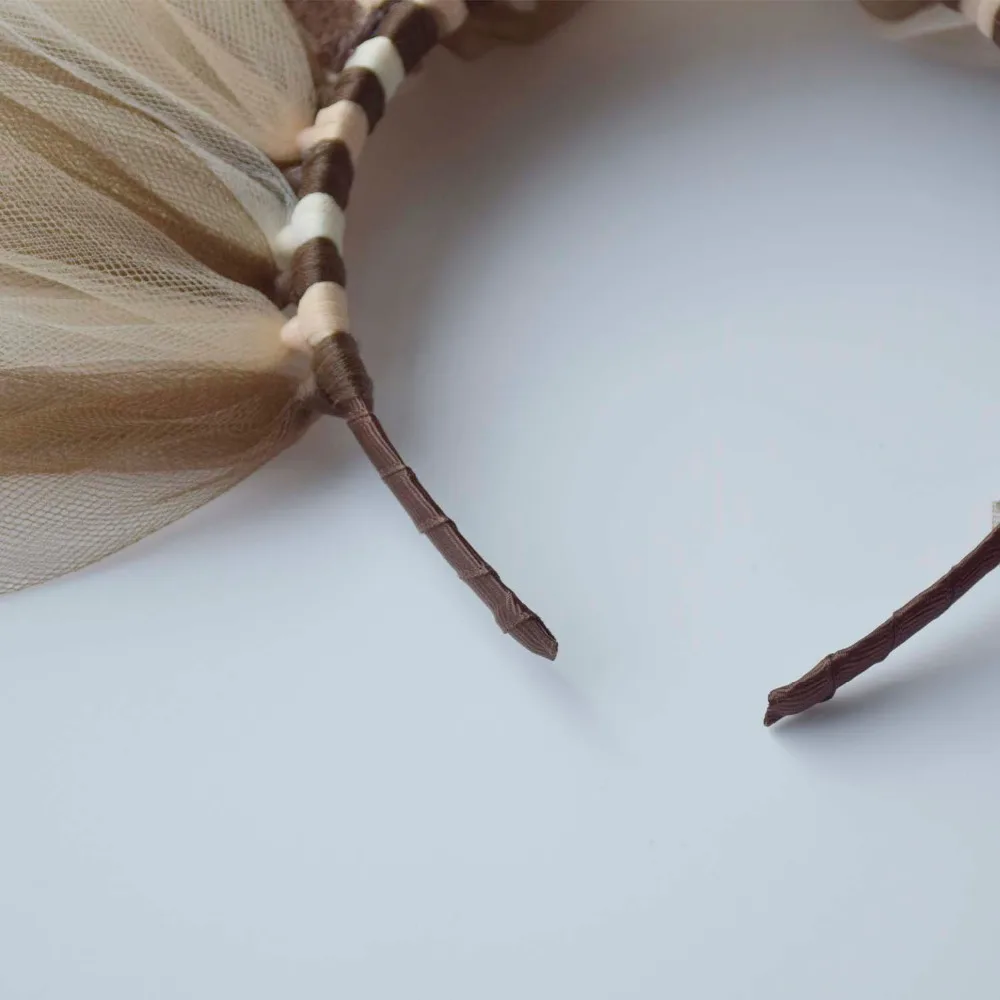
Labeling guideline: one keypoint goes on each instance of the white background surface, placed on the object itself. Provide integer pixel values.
(690, 320)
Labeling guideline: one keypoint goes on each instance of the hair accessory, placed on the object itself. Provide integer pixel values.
(176, 179)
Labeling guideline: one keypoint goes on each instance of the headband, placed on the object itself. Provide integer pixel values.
(173, 291)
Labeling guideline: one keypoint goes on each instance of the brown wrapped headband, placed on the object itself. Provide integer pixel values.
(173, 305)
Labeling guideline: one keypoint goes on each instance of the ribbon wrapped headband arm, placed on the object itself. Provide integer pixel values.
(173, 307)
(392, 42)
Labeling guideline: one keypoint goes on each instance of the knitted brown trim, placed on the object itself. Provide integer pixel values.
(363, 88)
(328, 168)
(315, 261)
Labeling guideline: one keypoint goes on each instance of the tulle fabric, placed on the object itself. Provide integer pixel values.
(141, 368)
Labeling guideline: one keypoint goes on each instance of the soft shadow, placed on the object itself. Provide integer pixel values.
(552, 685)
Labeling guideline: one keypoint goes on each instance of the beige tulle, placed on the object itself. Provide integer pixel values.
(141, 368)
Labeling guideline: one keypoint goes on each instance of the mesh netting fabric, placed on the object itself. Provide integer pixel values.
(141, 367)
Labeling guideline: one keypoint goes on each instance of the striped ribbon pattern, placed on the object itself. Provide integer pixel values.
(312, 244)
